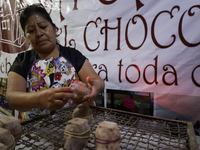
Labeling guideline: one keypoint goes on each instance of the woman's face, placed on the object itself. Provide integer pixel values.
(40, 34)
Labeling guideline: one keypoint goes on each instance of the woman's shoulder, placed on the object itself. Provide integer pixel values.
(67, 49)
(74, 56)
(23, 62)
(71, 52)
(26, 55)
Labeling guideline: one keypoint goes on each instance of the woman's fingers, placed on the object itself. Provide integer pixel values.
(64, 96)
(89, 82)
(64, 89)
(56, 98)
(84, 104)
(64, 93)
(59, 103)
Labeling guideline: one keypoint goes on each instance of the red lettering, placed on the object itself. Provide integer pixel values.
(85, 39)
(106, 33)
(102, 69)
(193, 78)
(2, 66)
(138, 70)
(153, 29)
(164, 78)
(182, 38)
(107, 2)
(155, 72)
(120, 68)
(126, 32)
(7, 63)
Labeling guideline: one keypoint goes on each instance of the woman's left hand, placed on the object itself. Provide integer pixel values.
(88, 75)
(94, 85)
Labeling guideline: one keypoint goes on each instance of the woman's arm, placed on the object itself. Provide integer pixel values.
(88, 75)
(19, 99)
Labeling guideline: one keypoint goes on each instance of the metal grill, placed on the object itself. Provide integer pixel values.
(137, 131)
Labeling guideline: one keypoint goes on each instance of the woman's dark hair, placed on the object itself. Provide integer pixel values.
(33, 9)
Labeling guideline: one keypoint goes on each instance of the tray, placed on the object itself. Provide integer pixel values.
(138, 131)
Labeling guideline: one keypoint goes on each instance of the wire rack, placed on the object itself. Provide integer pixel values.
(137, 131)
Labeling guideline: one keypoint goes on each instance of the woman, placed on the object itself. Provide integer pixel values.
(38, 80)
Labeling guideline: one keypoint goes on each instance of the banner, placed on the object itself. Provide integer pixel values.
(137, 45)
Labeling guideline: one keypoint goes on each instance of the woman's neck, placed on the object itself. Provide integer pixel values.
(55, 53)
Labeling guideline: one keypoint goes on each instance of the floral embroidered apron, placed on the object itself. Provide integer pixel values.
(49, 73)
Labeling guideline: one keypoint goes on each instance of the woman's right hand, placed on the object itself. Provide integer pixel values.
(19, 99)
(55, 98)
